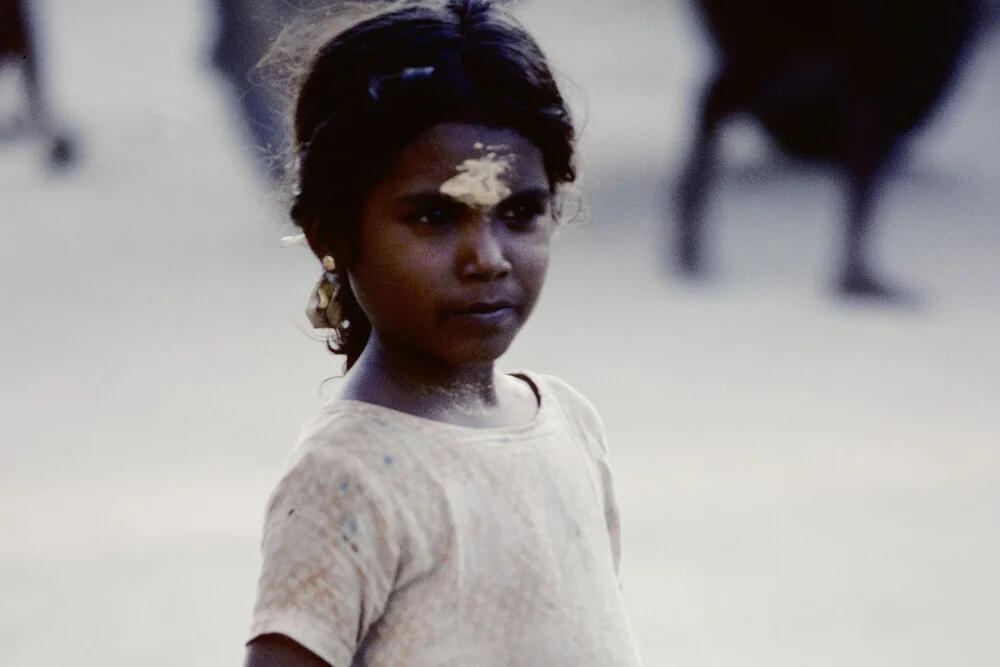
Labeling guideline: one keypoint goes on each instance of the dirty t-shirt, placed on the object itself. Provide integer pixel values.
(397, 540)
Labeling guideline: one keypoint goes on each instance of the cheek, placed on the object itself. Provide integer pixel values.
(392, 286)
(375, 273)
(381, 290)
(534, 262)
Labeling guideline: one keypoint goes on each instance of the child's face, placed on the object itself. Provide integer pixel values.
(453, 245)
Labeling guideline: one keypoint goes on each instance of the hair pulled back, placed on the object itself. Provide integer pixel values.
(375, 87)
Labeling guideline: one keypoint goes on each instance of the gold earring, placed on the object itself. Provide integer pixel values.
(324, 310)
(328, 285)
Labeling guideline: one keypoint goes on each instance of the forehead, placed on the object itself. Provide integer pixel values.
(436, 155)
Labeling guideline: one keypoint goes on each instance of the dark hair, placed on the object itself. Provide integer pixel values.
(375, 87)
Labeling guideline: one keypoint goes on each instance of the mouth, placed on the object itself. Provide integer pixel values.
(485, 308)
(493, 315)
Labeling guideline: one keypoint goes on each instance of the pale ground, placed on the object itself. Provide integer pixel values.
(803, 481)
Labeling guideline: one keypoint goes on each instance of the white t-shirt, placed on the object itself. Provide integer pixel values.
(394, 540)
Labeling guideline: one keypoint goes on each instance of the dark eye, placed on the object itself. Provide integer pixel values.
(523, 210)
(433, 215)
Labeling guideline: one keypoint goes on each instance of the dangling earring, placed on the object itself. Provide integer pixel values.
(324, 309)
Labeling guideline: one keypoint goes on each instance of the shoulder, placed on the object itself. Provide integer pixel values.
(363, 453)
(350, 434)
(339, 454)
(560, 390)
(579, 413)
(566, 397)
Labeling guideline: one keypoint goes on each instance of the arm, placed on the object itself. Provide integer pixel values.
(280, 651)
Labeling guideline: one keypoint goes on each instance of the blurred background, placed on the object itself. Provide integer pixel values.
(804, 479)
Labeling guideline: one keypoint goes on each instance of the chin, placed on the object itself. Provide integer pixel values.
(485, 352)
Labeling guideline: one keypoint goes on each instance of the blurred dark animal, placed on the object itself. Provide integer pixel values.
(17, 45)
(835, 81)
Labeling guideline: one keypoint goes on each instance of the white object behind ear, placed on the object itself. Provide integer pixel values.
(290, 241)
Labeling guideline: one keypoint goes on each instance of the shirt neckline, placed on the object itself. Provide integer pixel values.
(537, 421)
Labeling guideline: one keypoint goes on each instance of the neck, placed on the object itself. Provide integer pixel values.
(387, 377)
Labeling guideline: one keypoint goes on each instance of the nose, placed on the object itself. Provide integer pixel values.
(481, 253)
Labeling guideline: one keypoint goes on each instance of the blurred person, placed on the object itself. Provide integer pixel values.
(990, 12)
(244, 30)
(841, 82)
(436, 510)
(18, 48)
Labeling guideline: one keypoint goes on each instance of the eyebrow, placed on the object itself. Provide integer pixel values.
(432, 196)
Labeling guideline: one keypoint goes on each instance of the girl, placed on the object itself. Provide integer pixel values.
(436, 511)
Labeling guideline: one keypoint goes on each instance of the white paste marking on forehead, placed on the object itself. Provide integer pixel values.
(478, 181)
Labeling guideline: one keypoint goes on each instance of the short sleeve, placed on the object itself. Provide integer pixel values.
(329, 556)
(612, 517)
(581, 412)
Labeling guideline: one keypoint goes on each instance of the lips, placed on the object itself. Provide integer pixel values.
(489, 314)
(484, 308)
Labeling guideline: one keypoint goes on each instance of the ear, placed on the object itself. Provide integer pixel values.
(321, 244)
